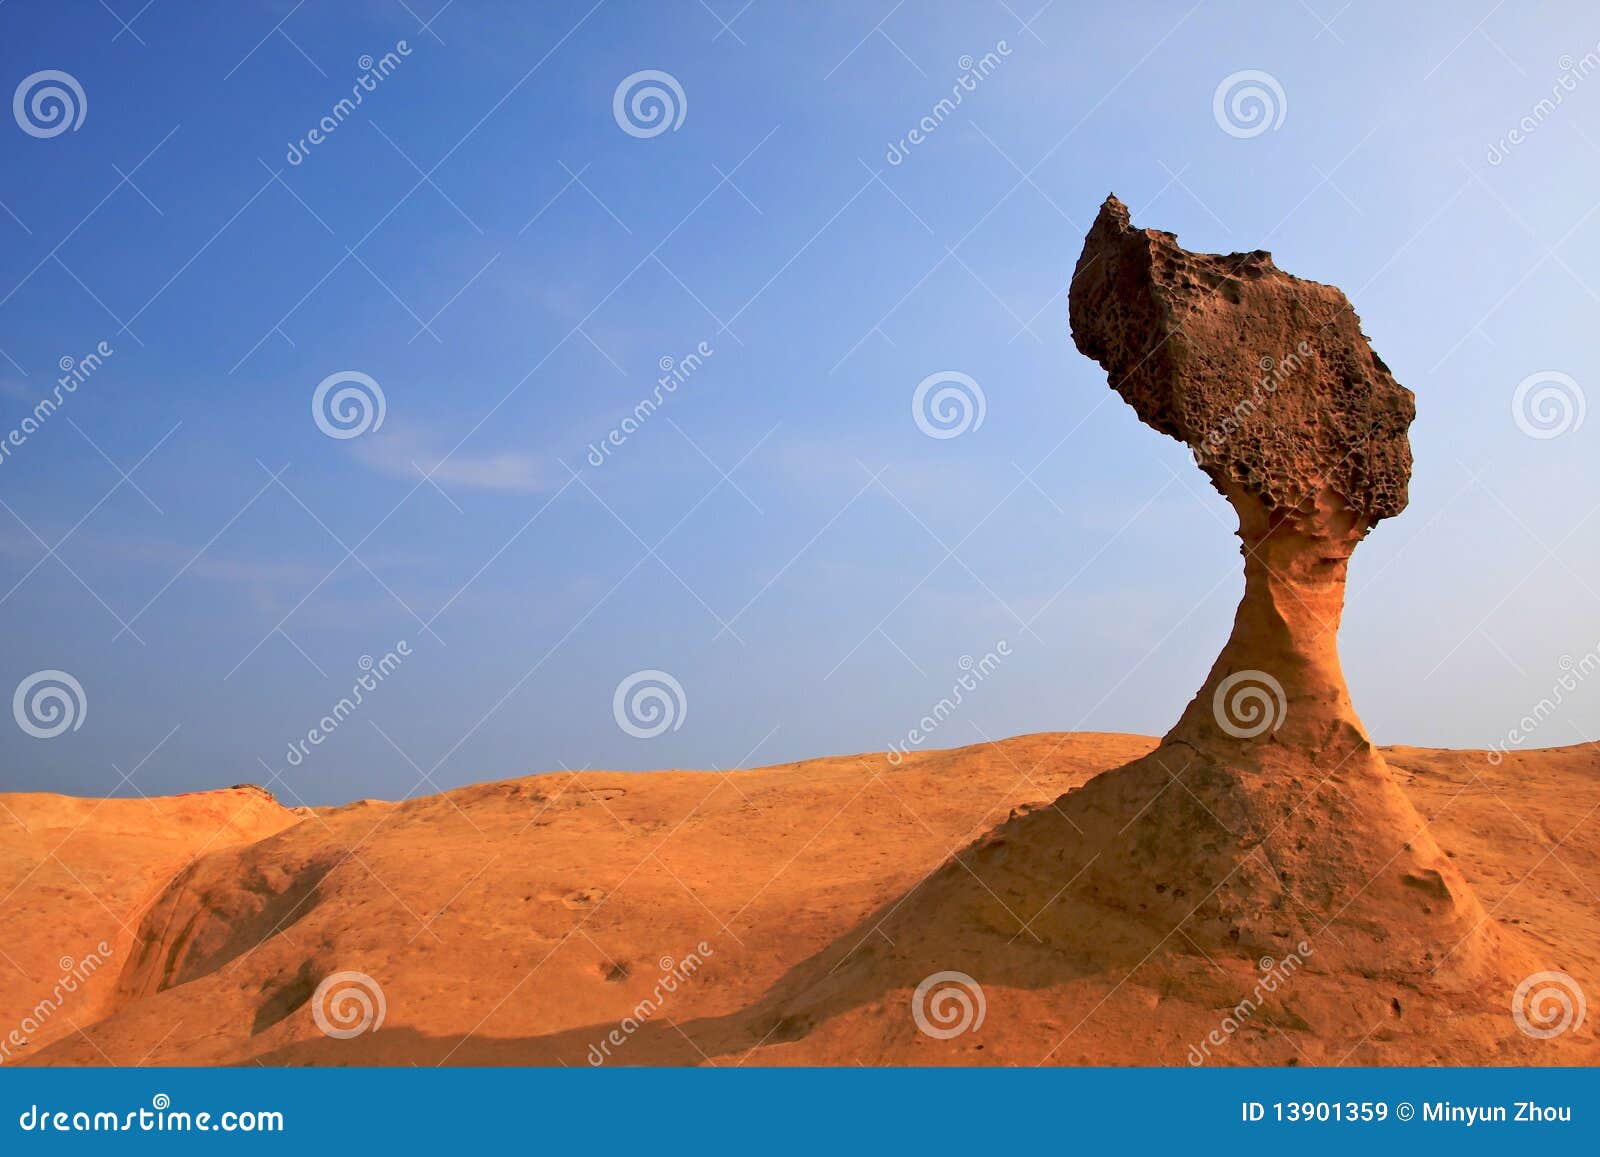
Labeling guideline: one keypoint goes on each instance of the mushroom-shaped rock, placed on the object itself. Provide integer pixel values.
(1264, 835)
(1270, 382)
(1277, 796)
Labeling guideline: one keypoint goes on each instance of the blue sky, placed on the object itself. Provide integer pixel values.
(483, 239)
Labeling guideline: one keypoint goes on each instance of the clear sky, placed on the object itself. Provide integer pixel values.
(510, 258)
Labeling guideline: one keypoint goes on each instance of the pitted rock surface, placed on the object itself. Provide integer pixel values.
(1265, 376)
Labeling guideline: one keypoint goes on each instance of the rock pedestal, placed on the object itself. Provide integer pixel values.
(1267, 791)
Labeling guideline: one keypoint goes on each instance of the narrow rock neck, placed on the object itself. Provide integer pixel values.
(1279, 677)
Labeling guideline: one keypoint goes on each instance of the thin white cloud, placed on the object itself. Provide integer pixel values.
(405, 453)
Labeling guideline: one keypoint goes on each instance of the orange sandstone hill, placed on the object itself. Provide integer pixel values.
(525, 921)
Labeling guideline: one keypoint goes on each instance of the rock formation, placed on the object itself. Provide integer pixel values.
(1297, 422)
(1265, 831)
(1302, 428)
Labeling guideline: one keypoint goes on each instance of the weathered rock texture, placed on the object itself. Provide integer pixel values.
(1267, 377)
(1302, 428)
(1297, 422)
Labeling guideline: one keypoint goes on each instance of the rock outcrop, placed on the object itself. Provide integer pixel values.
(1264, 835)
(1270, 382)
(1302, 428)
